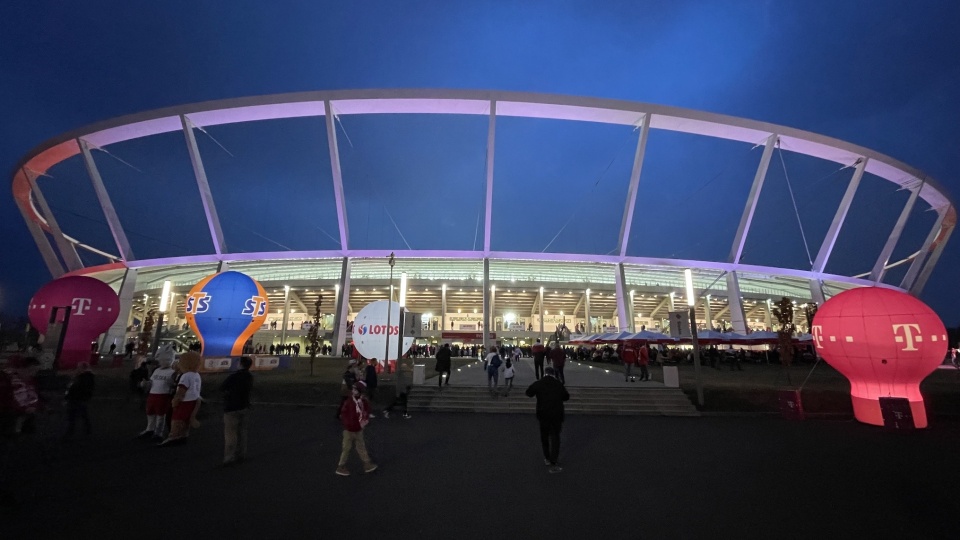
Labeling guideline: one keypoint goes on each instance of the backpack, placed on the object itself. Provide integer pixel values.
(495, 361)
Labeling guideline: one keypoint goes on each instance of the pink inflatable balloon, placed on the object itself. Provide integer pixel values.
(94, 307)
(885, 342)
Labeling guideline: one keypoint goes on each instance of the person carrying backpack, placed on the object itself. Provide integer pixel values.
(493, 363)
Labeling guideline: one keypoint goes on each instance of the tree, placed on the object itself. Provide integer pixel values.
(146, 333)
(783, 311)
(313, 336)
(809, 312)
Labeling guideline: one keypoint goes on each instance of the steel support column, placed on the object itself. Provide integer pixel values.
(117, 332)
(443, 307)
(493, 308)
(206, 196)
(342, 307)
(879, 268)
(488, 205)
(707, 314)
(67, 250)
(627, 223)
(486, 306)
(43, 243)
(816, 291)
(767, 314)
(586, 311)
(286, 314)
(336, 174)
(540, 304)
(830, 240)
(744, 228)
(921, 255)
(921, 282)
(735, 303)
(623, 316)
(109, 212)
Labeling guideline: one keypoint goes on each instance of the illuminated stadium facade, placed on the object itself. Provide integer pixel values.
(517, 295)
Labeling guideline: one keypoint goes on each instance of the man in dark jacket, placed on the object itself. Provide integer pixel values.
(236, 403)
(78, 394)
(443, 364)
(550, 394)
(558, 357)
(539, 354)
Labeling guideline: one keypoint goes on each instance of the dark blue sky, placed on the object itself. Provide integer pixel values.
(877, 73)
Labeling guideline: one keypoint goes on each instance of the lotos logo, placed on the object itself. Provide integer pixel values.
(80, 305)
(198, 302)
(378, 329)
(255, 306)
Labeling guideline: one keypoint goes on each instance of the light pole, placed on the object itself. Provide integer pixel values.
(386, 352)
(401, 368)
(692, 303)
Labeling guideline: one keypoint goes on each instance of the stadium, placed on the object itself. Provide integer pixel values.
(464, 188)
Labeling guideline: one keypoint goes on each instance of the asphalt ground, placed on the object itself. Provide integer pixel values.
(482, 476)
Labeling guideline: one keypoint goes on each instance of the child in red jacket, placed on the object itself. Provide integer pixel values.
(355, 415)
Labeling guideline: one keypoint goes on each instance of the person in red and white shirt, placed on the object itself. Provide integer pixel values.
(355, 415)
(643, 358)
(161, 385)
(186, 402)
(629, 357)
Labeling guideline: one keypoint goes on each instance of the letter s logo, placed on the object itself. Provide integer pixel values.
(198, 303)
(254, 305)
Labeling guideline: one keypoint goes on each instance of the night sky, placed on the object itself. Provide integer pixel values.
(881, 74)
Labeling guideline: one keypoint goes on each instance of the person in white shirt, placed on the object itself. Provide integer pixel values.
(160, 386)
(508, 373)
(186, 402)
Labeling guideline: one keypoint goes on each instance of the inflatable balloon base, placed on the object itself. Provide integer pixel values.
(868, 411)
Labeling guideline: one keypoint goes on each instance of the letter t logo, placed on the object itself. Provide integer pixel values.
(908, 334)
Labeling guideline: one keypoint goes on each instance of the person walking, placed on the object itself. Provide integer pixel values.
(508, 373)
(539, 355)
(370, 379)
(78, 394)
(558, 357)
(643, 359)
(159, 397)
(236, 403)
(736, 360)
(550, 394)
(186, 401)
(350, 378)
(355, 415)
(443, 364)
(137, 379)
(629, 357)
(493, 363)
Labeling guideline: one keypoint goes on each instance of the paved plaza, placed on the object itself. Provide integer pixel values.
(481, 476)
(576, 374)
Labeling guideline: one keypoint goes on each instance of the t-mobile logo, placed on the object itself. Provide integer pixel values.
(81, 305)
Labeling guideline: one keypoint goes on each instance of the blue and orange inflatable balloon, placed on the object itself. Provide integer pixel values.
(225, 310)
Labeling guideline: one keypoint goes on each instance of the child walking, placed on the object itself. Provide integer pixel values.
(508, 372)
